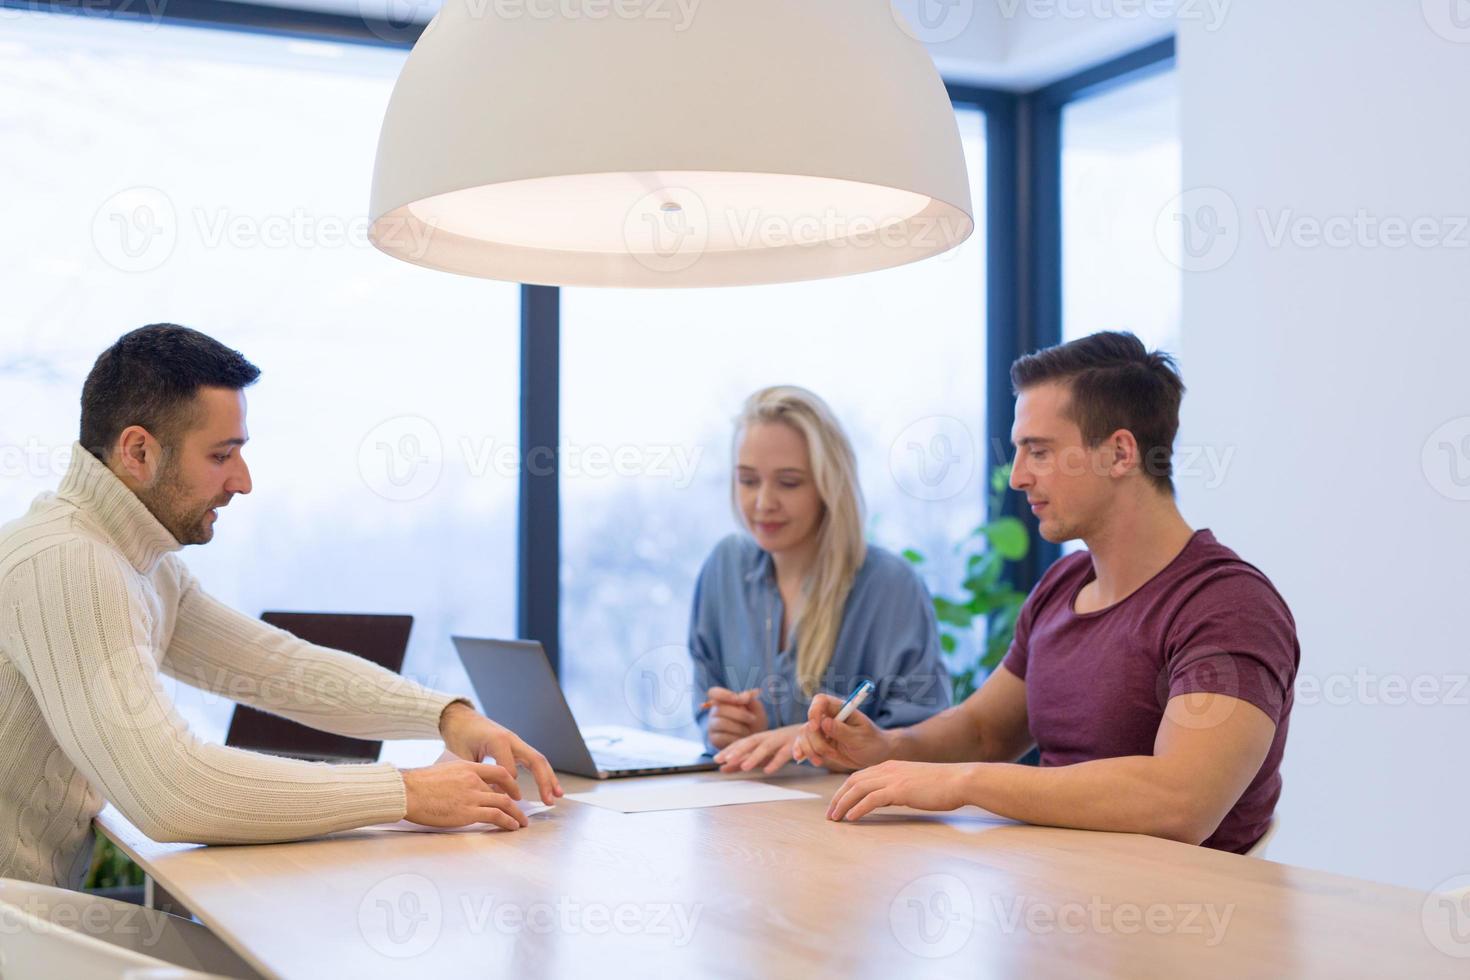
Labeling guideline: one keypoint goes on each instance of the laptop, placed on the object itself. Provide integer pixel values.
(381, 639)
(517, 688)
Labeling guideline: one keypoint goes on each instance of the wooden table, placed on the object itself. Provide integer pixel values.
(776, 890)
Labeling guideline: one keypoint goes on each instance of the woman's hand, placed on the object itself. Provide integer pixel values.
(734, 715)
(770, 749)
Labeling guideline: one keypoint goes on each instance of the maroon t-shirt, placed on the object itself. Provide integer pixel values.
(1097, 683)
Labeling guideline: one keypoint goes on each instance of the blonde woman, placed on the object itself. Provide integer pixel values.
(801, 604)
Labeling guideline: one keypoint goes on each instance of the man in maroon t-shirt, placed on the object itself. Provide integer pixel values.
(1154, 670)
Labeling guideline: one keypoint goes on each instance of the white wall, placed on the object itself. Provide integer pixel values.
(1327, 369)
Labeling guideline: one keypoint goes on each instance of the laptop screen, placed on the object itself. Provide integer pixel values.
(381, 639)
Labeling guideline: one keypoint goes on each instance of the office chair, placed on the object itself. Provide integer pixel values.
(46, 933)
(1258, 849)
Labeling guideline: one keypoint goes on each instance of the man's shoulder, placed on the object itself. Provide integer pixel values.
(65, 545)
(1216, 570)
(51, 524)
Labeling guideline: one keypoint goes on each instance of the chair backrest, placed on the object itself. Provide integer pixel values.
(380, 639)
(49, 933)
(1258, 849)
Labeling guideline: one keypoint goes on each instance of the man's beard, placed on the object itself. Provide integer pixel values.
(169, 502)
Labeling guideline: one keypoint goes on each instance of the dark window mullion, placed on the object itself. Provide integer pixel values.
(538, 528)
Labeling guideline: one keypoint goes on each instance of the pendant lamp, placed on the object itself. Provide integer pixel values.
(668, 143)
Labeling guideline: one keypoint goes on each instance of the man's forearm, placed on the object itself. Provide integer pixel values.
(219, 649)
(950, 736)
(1129, 794)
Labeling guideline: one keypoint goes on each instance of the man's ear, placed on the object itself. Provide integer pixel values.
(138, 455)
(1125, 454)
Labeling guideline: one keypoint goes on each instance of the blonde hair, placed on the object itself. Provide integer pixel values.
(841, 549)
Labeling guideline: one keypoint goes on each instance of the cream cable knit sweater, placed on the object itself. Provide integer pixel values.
(93, 606)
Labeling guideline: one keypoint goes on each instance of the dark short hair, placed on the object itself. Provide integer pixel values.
(149, 378)
(1115, 383)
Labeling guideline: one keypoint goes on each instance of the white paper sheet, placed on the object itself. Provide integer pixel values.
(656, 795)
(409, 827)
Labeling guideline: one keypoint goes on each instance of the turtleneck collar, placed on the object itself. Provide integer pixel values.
(97, 491)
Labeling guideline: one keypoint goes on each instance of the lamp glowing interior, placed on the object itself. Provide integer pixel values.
(653, 212)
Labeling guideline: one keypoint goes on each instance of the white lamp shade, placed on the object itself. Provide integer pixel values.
(668, 143)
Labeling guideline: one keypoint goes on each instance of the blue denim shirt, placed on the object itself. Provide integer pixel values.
(888, 635)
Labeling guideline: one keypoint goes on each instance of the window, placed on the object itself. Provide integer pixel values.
(220, 180)
(1120, 171)
(651, 383)
(1121, 258)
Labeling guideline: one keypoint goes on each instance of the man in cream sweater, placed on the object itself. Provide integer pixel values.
(95, 603)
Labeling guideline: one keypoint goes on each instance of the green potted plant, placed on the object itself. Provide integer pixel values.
(113, 874)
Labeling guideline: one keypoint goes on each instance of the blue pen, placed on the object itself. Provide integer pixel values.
(855, 700)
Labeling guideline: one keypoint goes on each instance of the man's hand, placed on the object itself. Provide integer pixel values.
(854, 744)
(470, 735)
(771, 749)
(457, 793)
(734, 715)
(921, 785)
